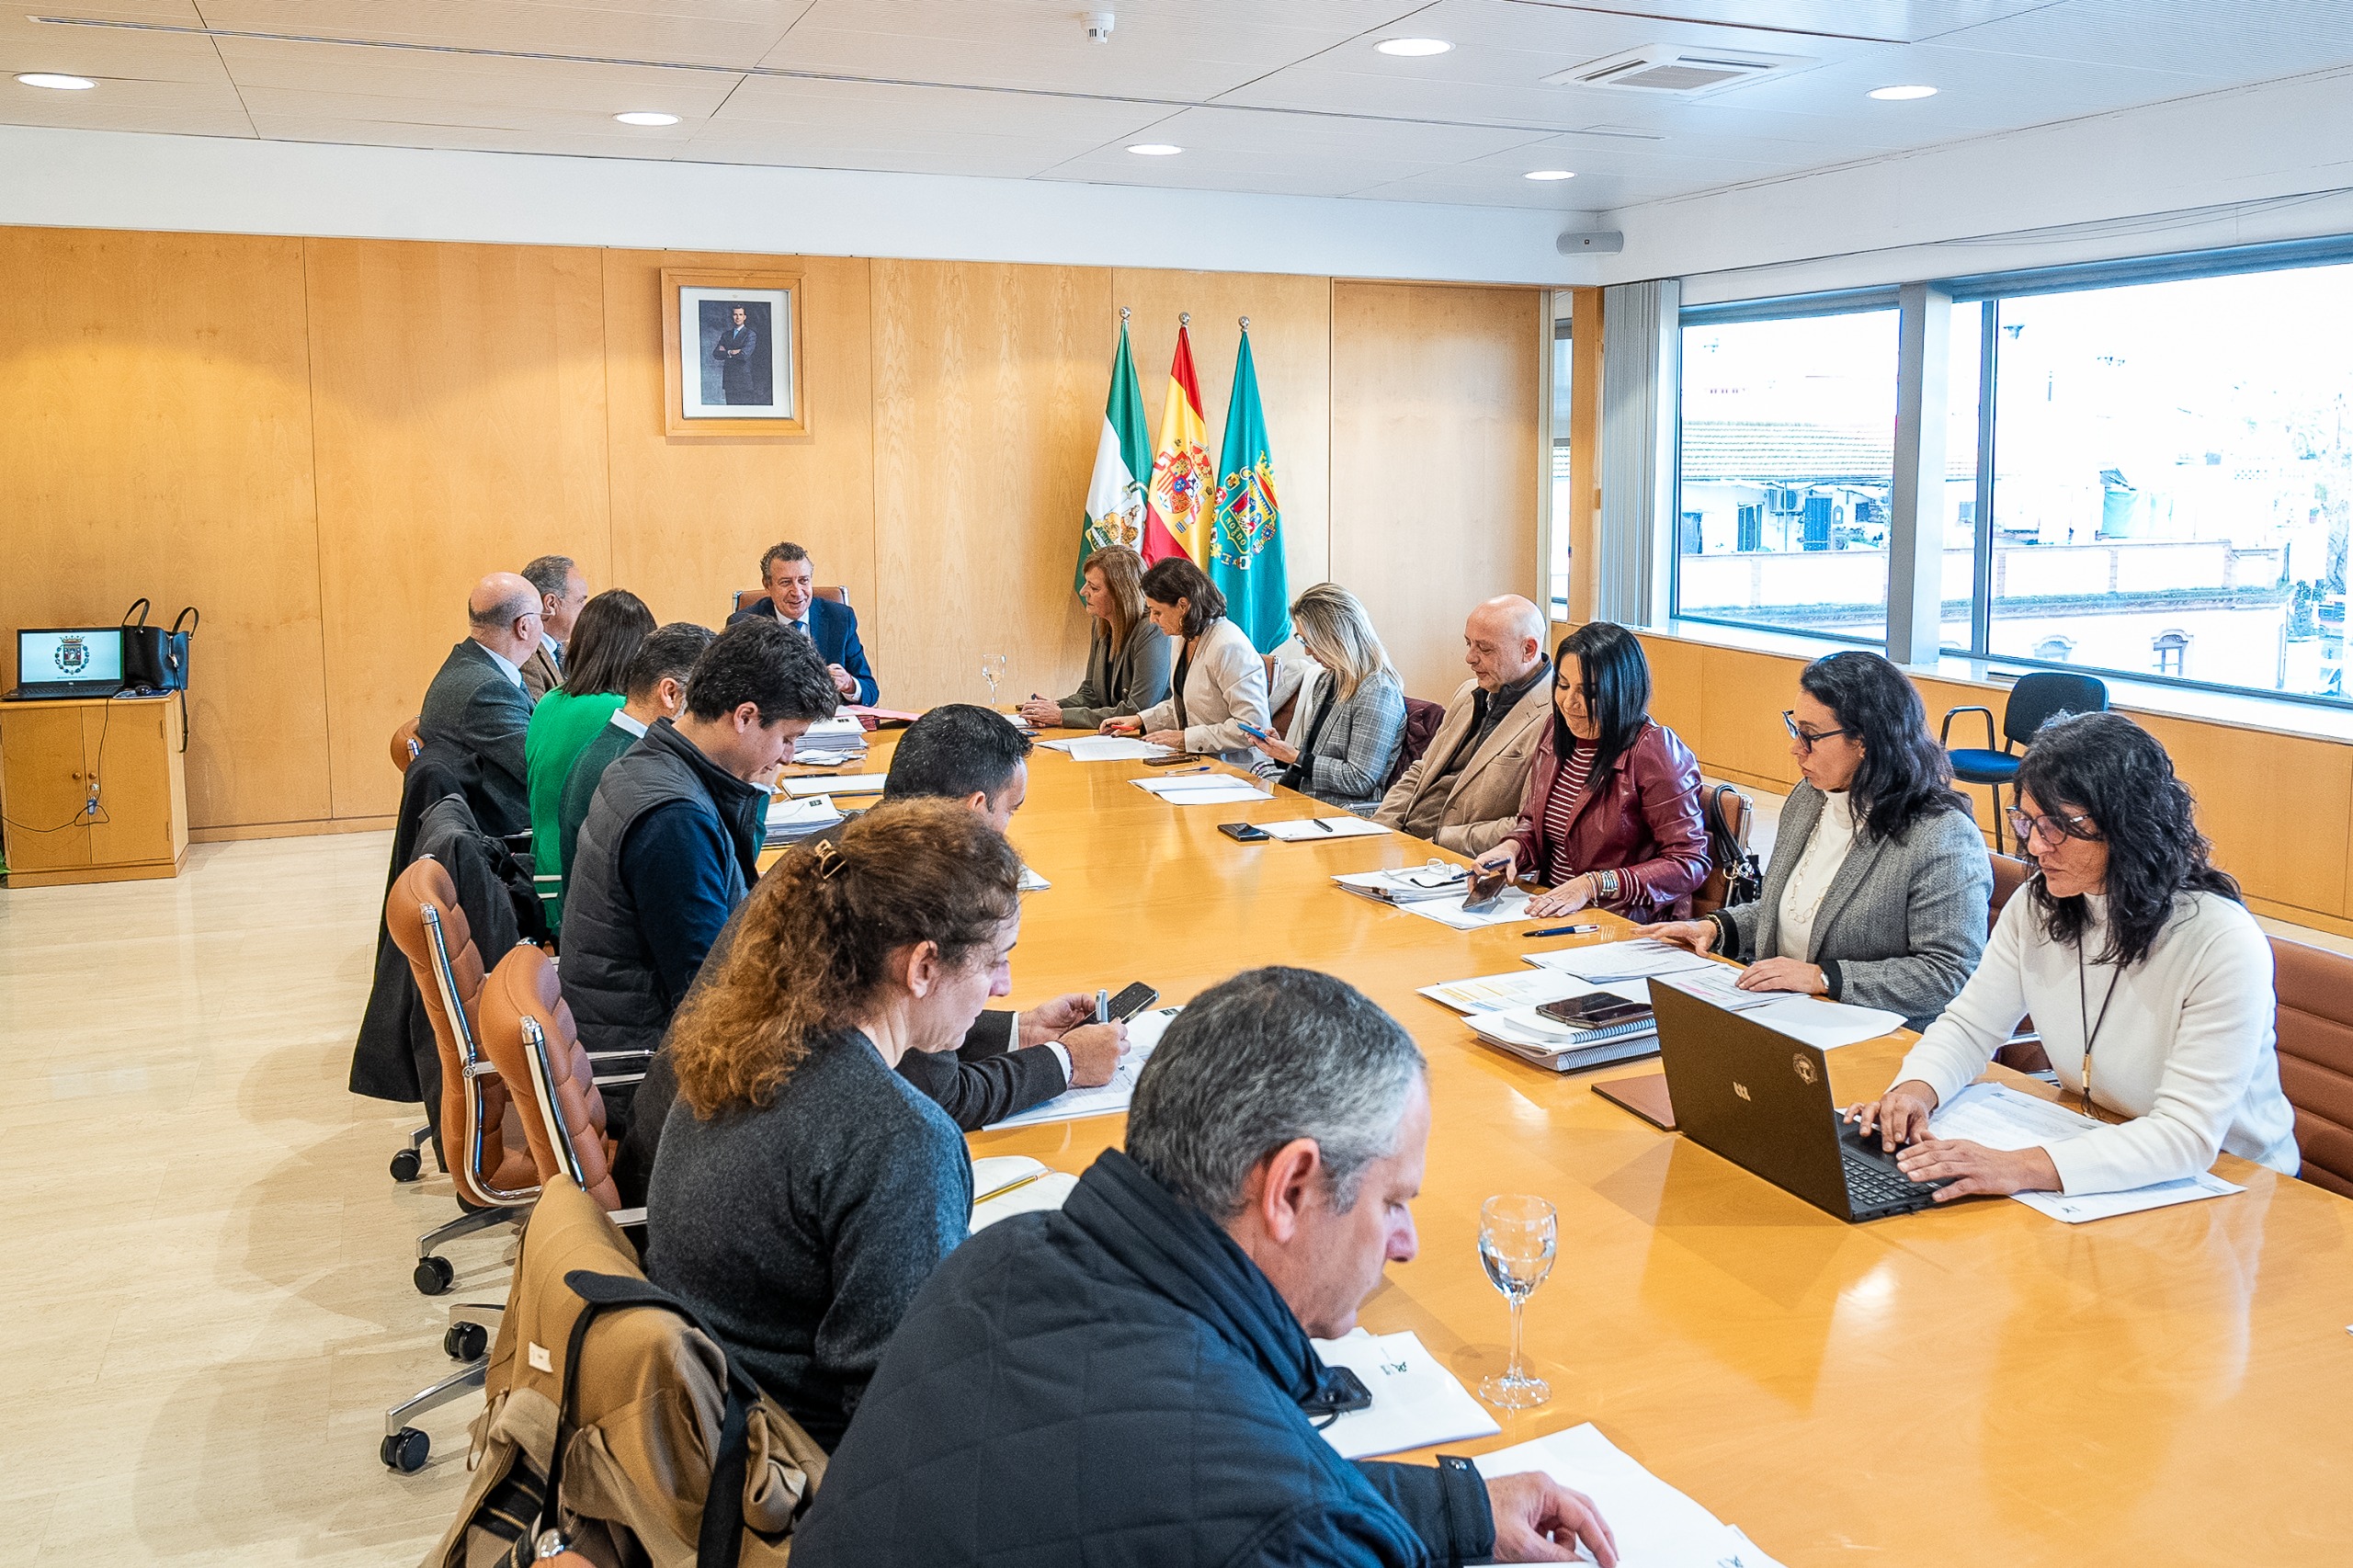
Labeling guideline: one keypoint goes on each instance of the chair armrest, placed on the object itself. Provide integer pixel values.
(602, 1079)
(617, 1055)
(1944, 735)
(629, 1219)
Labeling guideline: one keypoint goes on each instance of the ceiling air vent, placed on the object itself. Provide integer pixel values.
(1686, 73)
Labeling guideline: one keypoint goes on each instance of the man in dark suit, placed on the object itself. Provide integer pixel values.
(738, 345)
(477, 703)
(789, 577)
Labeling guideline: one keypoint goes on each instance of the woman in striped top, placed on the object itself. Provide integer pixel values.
(1611, 815)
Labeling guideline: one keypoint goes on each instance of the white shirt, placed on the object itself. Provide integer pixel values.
(514, 671)
(554, 648)
(2186, 1047)
(626, 723)
(1809, 884)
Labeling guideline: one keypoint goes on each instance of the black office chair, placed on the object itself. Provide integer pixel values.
(2034, 702)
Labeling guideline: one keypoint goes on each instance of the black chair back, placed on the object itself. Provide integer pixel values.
(2037, 699)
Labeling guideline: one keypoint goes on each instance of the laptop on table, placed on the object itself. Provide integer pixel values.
(69, 661)
(1762, 1100)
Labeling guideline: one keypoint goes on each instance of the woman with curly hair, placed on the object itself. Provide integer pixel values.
(1878, 882)
(804, 1191)
(2149, 981)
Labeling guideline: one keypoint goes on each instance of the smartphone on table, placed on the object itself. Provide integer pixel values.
(1594, 1010)
(1243, 833)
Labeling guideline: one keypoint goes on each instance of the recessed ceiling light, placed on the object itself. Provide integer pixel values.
(646, 117)
(1898, 95)
(1413, 47)
(51, 79)
(1550, 174)
(1155, 149)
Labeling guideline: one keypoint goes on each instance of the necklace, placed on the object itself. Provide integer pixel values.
(2091, 1026)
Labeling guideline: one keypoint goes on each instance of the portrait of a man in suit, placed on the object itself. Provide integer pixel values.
(739, 354)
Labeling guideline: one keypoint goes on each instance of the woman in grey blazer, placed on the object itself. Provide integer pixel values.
(1127, 660)
(1350, 720)
(1879, 884)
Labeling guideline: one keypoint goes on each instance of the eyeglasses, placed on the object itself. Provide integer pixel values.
(2051, 828)
(1805, 738)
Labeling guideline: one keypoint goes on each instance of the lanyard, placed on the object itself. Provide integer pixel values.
(2091, 1026)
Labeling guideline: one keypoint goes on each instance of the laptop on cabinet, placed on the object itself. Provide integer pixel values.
(68, 660)
(1762, 1100)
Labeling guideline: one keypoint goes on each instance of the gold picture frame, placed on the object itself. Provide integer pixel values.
(730, 353)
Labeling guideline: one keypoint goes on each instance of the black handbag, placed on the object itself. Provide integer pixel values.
(155, 659)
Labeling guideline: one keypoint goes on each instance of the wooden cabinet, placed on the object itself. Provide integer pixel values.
(56, 757)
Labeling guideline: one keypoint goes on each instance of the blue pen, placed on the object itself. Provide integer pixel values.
(1563, 931)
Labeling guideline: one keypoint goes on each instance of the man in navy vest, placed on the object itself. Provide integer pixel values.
(788, 576)
(1122, 1384)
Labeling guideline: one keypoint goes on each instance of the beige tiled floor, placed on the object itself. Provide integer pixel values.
(210, 1302)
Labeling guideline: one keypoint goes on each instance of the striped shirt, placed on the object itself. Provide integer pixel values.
(1560, 806)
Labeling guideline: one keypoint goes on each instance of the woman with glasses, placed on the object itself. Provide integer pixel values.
(1610, 817)
(1878, 882)
(2149, 981)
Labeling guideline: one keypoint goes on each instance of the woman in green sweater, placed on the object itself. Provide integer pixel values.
(603, 642)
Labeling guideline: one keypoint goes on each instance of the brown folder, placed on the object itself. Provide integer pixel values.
(1645, 1096)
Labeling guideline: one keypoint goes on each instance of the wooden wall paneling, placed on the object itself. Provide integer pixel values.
(691, 515)
(2275, 806)
(1290, 339)
(461, 407)
(1676, 682)
(988, 396)
(155, 439)
(1434, 476)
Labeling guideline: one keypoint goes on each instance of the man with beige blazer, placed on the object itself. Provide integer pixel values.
(1464, 792)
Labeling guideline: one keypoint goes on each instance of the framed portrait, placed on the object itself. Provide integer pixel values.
(731, 346)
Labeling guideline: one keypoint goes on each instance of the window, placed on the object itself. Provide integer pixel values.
(1563, 363)
(1788, 465)
(2173, 479)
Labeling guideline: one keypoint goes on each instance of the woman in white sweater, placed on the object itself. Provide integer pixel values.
(1219, 691)
(2148, 980)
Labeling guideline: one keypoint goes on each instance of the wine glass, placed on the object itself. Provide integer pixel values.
(993, 672)
(1518, 1238)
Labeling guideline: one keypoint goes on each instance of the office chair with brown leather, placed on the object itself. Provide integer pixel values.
(528, 1032)
(832, 593)
(499, 1181)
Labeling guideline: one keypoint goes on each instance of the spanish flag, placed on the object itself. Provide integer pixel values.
(1180, 498)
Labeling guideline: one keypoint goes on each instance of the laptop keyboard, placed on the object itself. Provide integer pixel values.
(1870, 1185)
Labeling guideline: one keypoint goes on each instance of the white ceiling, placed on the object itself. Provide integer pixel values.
(1285, 96)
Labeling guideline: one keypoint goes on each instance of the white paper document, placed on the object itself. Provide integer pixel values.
(1109, 1099)
(1654, 1525)
(1203, 789)
(843, 724)
(1032, 882)
(835, 784)
(1521, 988)
(1511, 907)
(1319, 830)
(2002, 1118)
(790, 819)
(1006, 1185)
(1815, 1020)
(1635, 960)
(1104, 748)
(1415, 1402)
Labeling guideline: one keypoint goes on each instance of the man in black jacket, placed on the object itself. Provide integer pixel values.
(1009, 1061)
(477, 703)
(671, 842)
(1120, 1382)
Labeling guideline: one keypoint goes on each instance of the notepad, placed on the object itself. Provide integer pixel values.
(2003, 1118)
(790, 821)
(1313, 830)
(1654, 1525)
(1203, 789)
(836, 784)
(1006, 1185)
(1108, 1099)
(1415, 1402)
(1104, 748)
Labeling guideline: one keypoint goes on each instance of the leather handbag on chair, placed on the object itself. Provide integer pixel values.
(1733, 873)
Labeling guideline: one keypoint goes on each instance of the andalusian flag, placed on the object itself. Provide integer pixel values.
(1247, 536)
(1122, 463)
(1177, 501)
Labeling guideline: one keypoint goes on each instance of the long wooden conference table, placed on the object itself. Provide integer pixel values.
(1973, 1385)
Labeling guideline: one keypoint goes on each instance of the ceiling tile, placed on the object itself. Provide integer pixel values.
(716, 32)
(2245, 41)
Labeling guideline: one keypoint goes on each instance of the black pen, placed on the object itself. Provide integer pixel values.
(1321, 825)
(1563, 931)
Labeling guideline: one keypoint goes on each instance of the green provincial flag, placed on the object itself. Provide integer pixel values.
(1247, 543)
(1115, 497)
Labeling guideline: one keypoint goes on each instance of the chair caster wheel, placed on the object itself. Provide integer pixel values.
(465, 1341)
(406, 1450)
(407, 1166)
(433, 1276)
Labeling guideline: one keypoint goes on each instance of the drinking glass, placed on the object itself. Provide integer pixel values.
(1518, 1238)
(993, 672)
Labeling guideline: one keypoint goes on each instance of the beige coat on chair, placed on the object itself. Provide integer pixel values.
(1480, 806)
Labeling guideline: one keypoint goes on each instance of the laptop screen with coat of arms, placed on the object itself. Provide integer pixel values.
(56, 657)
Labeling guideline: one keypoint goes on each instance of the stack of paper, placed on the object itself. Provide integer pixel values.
(829, 743)
(1654, 1525)
(1103, 748)
(1635, 960)
(790, 821)
(1443, 904)
(1316, 830)
(1521, 988)
(1109, 1099)
(1415, 1402)
(1203, 789)
(2002, 1118)
(836, 784)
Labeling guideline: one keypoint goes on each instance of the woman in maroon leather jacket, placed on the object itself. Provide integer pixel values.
(1611, 814)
